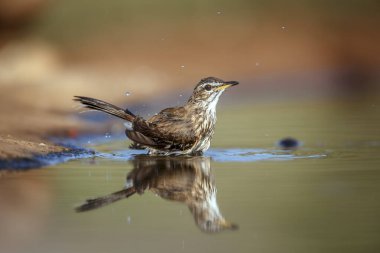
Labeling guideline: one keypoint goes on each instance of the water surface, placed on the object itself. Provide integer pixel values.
(322, 197)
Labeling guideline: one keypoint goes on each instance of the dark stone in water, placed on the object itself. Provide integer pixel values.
(288, 143)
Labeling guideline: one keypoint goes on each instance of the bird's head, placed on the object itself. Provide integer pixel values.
(208, 217)
(208, 90)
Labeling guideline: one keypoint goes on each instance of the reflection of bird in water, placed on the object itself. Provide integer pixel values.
(183, 179)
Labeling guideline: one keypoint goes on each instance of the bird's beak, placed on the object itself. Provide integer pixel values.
(227, 84)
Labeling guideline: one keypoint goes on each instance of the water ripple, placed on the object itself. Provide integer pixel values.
(229, 155)
(252, 155)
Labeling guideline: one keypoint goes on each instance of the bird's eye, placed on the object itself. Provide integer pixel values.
(208, 87)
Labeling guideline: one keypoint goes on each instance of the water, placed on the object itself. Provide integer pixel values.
(322, 197)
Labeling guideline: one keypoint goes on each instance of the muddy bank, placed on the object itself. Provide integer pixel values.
(20, 152)
(35, 157)
(26, 132)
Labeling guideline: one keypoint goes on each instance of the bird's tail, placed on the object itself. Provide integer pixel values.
(95, 203)
(103, 106)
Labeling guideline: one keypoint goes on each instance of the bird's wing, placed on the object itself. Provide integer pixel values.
(169, 177)
(170, 129)
(140, 138)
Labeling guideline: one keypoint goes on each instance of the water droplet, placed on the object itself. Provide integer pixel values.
(180, 95)
(127, 93)
(182, 66)
(283, 27)
(218, 12)
(129, 220)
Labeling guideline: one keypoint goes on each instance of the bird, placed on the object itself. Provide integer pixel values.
(185, 179)
(181, 130)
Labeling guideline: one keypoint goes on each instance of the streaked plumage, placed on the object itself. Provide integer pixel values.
(187, 129)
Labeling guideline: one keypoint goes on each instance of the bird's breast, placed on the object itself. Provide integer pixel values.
(204, 123)
(204, 130)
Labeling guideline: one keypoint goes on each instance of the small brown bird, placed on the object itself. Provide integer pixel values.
(186, 129)
(187, 180)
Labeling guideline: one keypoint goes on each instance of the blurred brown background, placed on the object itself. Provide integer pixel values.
(52, 50)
